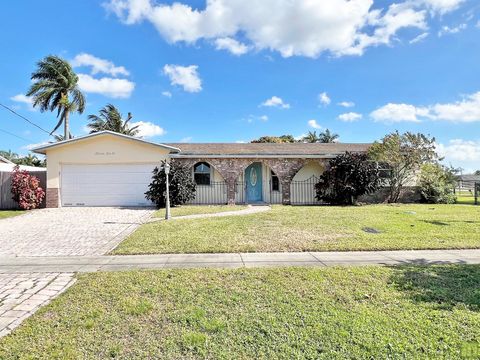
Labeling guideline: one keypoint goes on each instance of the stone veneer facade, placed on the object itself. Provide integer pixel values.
(52, 198)
(232, 168)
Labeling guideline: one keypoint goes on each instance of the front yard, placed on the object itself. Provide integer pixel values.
(9, 213)
(285, 313)
(291, 228)
(198, 209)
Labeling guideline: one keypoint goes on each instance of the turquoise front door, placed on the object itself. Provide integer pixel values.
(253, 179)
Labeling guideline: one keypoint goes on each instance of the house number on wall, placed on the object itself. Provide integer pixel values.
(108, 153)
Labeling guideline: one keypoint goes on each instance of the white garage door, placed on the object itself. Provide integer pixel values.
(105, 185)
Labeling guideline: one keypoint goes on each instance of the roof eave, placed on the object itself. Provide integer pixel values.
(257, 156)
(43, 149)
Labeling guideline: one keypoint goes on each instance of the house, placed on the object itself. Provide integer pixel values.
(111, 169)
(4, 160)
(467, 181)
(6, 170)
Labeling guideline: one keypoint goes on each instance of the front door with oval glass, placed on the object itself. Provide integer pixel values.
(253, 179)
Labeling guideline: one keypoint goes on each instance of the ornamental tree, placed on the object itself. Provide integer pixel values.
(348, 176)
(181, 189)
(403, 155)
(437, 184)
(26, 189)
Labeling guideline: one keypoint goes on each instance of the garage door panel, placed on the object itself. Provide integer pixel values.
(106, 185)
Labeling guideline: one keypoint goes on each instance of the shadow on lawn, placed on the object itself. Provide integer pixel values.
(448, 222)
(444, 285)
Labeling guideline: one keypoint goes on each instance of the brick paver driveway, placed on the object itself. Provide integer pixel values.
(68, 231)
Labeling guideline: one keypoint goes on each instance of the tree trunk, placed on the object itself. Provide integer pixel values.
(66, 133)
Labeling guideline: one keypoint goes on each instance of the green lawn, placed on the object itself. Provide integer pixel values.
(198, 209)
(465, 197)
(291, 228)
(9, 213)
(285, 313)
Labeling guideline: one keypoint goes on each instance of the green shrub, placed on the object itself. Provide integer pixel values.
(182, 186)
(437, 183)
(347, 177)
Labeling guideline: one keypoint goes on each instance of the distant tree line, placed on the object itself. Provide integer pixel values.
(312, 137)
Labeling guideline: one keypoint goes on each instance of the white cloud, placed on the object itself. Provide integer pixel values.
(148, 129)
(184, 76)
(294, 28)
(33, 146)
(393, 113)
(20, 98)
(264, 118)
(324, 98)
(442, 6)
(313, 124)
(419, 38)
(466, 110)
(167, 94)
(186, 139)
(463, 153)
(232, 45)
(477, 24)
(346, 104)
(350, 117)
(451, 30)
(110, 87)
(275, 101)
(98, 65)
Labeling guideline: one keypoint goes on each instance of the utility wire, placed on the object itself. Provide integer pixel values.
(24, 118)
(12, 134)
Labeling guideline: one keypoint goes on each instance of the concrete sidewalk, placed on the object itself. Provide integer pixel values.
(235, 260)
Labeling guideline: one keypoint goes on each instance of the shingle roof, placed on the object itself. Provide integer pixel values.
(262, 149)
(469, 177)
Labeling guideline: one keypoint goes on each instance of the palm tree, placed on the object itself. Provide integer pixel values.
(311, 137)
(55, 87)
(328, 137)
(9, 155)
(61, 137)
(109, 118)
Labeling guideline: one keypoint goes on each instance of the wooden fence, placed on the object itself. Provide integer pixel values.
(6, 201)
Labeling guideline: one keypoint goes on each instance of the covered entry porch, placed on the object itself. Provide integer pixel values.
(254, 181)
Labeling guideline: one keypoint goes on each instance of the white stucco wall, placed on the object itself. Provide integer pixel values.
(310, 169)
(102, 149)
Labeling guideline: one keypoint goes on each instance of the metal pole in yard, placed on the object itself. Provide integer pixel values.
(167, 200)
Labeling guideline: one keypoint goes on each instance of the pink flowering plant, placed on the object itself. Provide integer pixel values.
(26, 189)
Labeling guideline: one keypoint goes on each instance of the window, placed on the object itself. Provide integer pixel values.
(201, 173)
(275, 182)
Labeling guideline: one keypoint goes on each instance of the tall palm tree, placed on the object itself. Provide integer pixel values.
(55, 87)
(109, 118)
(9, 155)
(311, 137)
(61, 137)
(328, 137)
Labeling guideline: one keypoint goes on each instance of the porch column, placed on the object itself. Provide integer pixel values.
(230, 190)
(286, 181)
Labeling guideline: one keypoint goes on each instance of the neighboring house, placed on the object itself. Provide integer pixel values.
(110, 169)
(6, 170)
(467, 181)
(5, 160)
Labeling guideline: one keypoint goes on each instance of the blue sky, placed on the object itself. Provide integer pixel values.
(226, 71)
